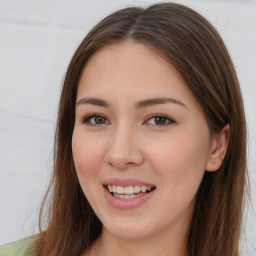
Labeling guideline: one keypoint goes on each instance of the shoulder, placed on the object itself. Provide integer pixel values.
(23, 247)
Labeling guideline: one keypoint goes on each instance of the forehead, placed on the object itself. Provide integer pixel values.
(131, 70)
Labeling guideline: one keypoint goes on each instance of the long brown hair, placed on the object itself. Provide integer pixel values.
(193, 46)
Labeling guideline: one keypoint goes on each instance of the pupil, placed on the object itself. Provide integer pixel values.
(100, 120)
(160, 120)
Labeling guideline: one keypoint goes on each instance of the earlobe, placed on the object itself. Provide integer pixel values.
(218, 149)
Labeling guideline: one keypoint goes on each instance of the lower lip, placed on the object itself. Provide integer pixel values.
(126, 204)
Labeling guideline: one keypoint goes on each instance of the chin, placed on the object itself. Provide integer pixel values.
(125, 229)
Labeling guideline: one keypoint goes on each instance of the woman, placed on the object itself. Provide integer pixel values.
(150, 149)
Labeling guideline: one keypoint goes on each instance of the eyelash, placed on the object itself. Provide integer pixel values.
(86, 120)
(168, 120)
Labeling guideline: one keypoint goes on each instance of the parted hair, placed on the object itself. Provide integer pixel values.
(191, 44)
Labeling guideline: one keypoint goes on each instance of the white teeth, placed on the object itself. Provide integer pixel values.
(124, 196)
(130, 190)
(110, 188)
(120, 190)
(143, 189)
(137, 189)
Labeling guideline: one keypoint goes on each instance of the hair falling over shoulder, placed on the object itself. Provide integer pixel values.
(193, 46)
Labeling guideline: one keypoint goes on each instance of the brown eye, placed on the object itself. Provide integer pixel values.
(95, 120)
(160, 120)
(99, 120)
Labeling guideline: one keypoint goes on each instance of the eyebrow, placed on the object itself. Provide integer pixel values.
(138, 105)
(156, 101)
(93, 101)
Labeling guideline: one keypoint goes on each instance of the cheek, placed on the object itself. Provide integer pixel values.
(180, 161)
(86, 155)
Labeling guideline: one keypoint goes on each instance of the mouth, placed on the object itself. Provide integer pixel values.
(128, 192)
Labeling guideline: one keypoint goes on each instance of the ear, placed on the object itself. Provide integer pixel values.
(219, 145)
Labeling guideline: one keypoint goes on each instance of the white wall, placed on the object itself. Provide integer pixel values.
(37, 40)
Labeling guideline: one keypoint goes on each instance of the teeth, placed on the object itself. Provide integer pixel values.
(110, 188)
(143, 189)
(119, 190)
(124, 196)
(130, 190)
(136, 189)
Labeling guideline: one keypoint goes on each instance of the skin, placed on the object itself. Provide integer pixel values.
(129, 143)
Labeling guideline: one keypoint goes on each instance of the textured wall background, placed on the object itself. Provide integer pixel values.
(37, 40)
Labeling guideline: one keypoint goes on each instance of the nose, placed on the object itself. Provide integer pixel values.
(124, 150)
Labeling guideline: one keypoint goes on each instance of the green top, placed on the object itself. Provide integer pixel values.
(23, 247)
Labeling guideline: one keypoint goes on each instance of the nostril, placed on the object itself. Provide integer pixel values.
(123, 156)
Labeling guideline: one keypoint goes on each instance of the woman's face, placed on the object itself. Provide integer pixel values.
(138, 127)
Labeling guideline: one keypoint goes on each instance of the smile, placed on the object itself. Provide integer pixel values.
(127, 196)
(128, 192)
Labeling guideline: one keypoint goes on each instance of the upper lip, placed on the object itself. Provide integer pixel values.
(126, 182)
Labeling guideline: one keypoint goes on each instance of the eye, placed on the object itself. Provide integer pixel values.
(160, 120)
(95, 120)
